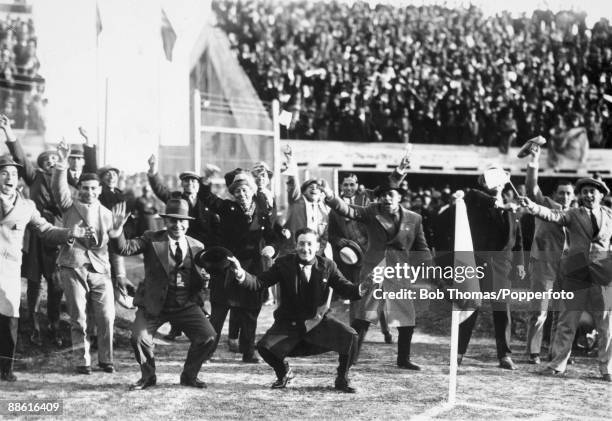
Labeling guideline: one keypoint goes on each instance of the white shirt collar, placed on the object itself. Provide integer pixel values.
(182, 244)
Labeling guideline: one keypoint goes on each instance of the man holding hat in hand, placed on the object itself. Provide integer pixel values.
(586, 271)
(170, 291)
(302, 322)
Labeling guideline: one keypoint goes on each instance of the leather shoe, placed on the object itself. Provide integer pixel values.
(197, 383)
(282, 382)
(534, 359)
(106, 367)
(10, 377)
(606, 378)
(343, 386)
(144, 383)
(388, 337)
(250, 359)
(83, 369)
(407, 365)
(507, 364)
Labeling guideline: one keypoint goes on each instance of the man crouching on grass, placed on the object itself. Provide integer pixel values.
(302, 324)
(170, 291)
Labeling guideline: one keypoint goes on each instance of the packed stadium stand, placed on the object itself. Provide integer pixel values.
(424, 74)
(21, 85)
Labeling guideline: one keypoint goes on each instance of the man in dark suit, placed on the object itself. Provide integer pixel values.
(205, 224)
(498, 245)
(170, 292)
(302, 322)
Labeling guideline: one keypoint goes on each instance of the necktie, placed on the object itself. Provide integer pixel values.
(594, 223)
(178, 255)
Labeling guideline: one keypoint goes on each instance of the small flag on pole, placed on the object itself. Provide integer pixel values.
(98, 21)
(168, 35)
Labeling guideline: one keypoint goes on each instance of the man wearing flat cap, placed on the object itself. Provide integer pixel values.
(15, 214)
(248, 228)
(82, 159)
(586, 271)
(40, 258)
(170, 292)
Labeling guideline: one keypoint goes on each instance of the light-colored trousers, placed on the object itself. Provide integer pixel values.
(543, 277)
(80, 287)
(597, 300)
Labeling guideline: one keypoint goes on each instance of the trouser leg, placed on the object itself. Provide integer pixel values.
(77, 295)
(501, 323)
(404, 341)
(202, 336)
(234, 325)
(278, 364)
(143, 330)
(218, 313)
(103, 307)
(247, 320)
(8, 343)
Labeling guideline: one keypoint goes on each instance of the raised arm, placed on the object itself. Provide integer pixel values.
(557, 216)
(118, 243)
(531, 182)
(157, 184)
(256, 283)
(358, 213)
(90, 153)
(59, 179)
(16, 151)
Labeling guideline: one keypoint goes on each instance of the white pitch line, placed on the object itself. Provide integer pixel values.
(444, 407)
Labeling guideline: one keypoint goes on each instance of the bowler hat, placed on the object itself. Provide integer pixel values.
(189, 174)
(177, 208)
(600, 185)
(349, 252)
(213, 258)
(76, 151)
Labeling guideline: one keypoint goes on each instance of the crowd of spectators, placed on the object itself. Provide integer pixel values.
(427, 73)
(21, 86)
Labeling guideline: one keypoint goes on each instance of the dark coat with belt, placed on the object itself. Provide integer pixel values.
(152, 291)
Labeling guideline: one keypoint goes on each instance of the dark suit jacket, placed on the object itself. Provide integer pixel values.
(292, 307)
(152, 291)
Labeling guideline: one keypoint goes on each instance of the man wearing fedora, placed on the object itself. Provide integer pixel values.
(248, 228)
(395, 236)
(40, 257)
(170, 292)
(17, 213)
(586, 271)
(205, 224)
(548, 244)
(303, 324)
